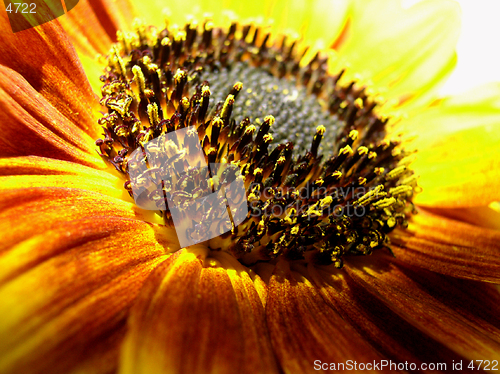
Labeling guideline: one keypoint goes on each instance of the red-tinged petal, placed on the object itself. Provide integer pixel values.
(95, 23)
(103, 356)
(406, 298)
(30, 125)
(91, 27)
(304, 328)
(396, 339)
(44, 56)
(86, 31)
(478, 303)
(74, 289)
(29, 215)
(113, 15)
(449, 247)
(249, 290)
(194, 319)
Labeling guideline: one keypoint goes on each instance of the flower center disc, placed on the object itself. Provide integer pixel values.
(319, 178)
(297, 112)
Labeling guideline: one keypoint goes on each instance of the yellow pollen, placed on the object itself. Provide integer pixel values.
(153, 114)
(326, 201)
(227, 105)
(217, 122)
(337, 174)
(139, 77)
(320, 129)
(205, 91)
(119, 61)
(401, 190)
(185, 103)
(179, 75)
(347, 150)
(238, 86)
(250, 129)
(180, 36)
(269, 119)
(363, 150)
(384, 203)
(396, 173)
(359, 103)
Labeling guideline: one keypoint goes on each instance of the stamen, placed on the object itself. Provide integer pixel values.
(321, 178)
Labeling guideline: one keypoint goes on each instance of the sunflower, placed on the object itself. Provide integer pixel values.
(92, 282)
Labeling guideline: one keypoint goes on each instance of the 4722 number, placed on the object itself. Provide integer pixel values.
(24, 8)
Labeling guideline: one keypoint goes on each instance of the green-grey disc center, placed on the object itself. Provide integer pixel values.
(296, 111)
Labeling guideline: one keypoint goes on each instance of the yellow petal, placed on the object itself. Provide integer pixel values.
(188, 311)
(314, 20)
(37, 172)
(403, 50)
(458, 141)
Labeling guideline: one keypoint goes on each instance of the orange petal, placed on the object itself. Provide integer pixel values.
(93, 24)
(33, 165)
(44, 56)
(86, 31)
(69, 286)
(113, 16)
(193, 319)
(479, 303)
(449, 247)
(33, 222)
(392, 336)
(482, 216)
(32, 126)
(304, 328)
(102, 356)
(92, 27)
(407, 299)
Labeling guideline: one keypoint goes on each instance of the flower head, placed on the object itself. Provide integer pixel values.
(92, 277)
